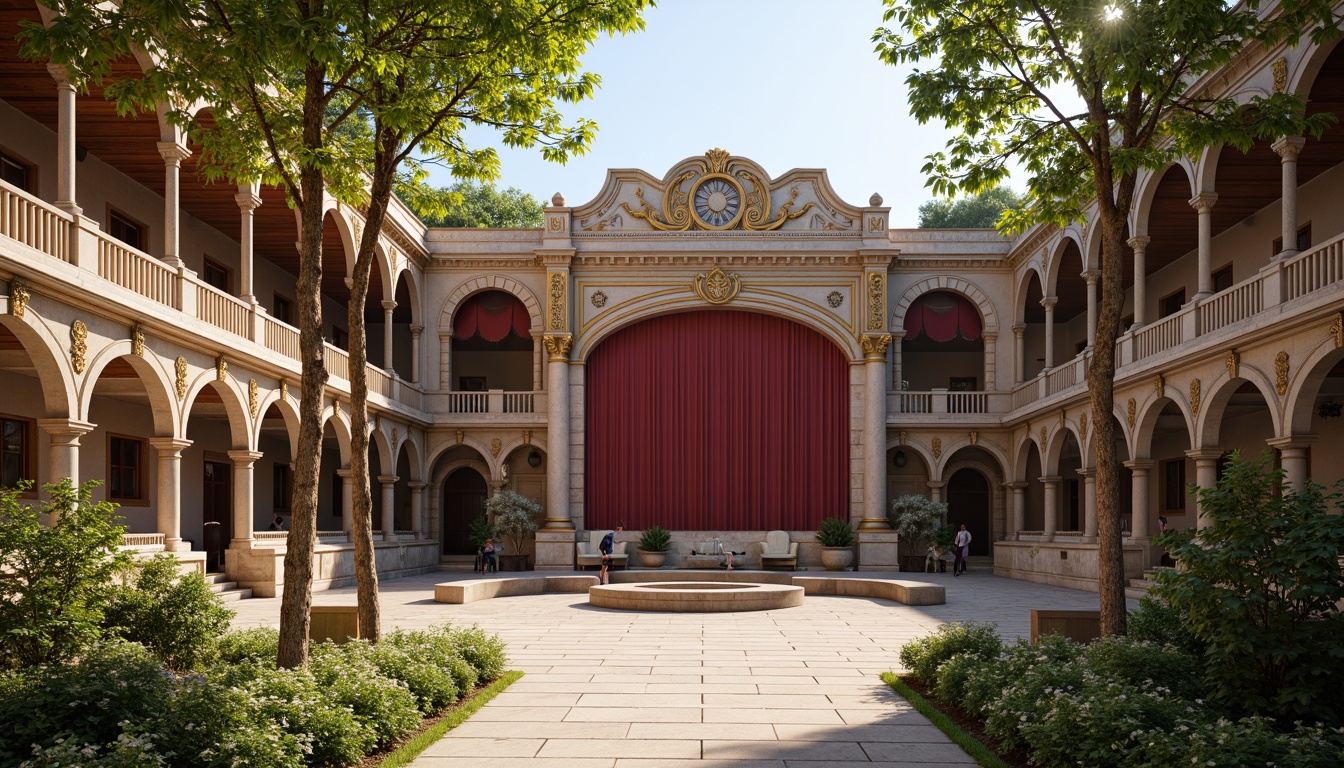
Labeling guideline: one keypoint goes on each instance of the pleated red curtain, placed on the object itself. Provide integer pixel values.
(716, 421)
(492, 315)
(943, 316)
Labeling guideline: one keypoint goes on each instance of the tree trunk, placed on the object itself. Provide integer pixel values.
(296, 602)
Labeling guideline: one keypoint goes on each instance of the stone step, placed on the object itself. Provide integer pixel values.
(234, 595)
(215, 578)
(1135, 593)
(220, 587)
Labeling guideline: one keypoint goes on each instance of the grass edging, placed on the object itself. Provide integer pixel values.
(972, 746)
(407, 752)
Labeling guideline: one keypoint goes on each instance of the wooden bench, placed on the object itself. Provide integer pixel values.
(469, 591)
(906, 592)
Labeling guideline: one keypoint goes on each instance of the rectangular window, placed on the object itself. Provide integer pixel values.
(340, 338)
(282, 488)
(125, 468)
(1222, 279)
(126, 229)
(15, 443)
(15, 172)
(1171, 304)
(1303, 240)
(1173, 485)
(283, 309)
(215, 275)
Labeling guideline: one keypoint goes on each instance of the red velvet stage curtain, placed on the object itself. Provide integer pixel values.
(492, 315)
(716, 421)
(942, 316)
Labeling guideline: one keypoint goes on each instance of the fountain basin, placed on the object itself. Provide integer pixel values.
(695, 596)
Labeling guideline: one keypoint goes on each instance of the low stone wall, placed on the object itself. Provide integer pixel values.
(262, 569)
(876, 550)
(1061, 563)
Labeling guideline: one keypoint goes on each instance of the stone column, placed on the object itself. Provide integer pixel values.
(1140, 246)
(1049, 303)
(875, 432)
(244, 485)
(169, 501)
(1089, 475)
(1203, 204)
(416, 352)
(63, 455)
(65, 141)
(1139, 531)
(1019, 353)
(936, 490)
(1051, 504)
(1091, 276)
(173, 154)
(991, 361)
(347, 500)
(1294, 457)
(1206, 476)
(897, 364)
(388, 306)
(417, 508)
(389, 486)
(538, 384)
(1288, 149)
(248, 200)
(1018, 517)
(557, 434)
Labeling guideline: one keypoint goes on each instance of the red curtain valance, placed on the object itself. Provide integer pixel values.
(943, 316)
(492, 315)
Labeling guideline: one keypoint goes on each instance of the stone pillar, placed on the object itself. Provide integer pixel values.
(1089, 475)
(347, 500)
(1091, 276)
(875, 432)
(1019, 353)
(897, 364)
(991, 361)
(1051, 504)
(557, 434)
(1294, 457)
(65, 141)
(1288, 149)
(538, 384)
(1203, 204)
(389, 486)
(936, 490)
(388, 306)
(416, 352)
(169, 501)
(1049, 303)
(1206, 476)
(1139, 531)
(63, 455)
(244, 479)
(248, 200)
(173, 154)
(417, 508)
(1140, 246)
(1018, 517)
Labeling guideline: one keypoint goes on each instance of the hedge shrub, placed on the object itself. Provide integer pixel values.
(174, 615)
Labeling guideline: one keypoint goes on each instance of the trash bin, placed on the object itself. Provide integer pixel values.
(214, 547)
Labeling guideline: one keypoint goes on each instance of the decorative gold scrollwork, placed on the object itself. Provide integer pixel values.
(395, 438)
(138, 340)
(1280, 69)
(558, 346)
(459, 436)
(79, 335)
(253, 400)
(901, 435)
(1129, 413)
(875, 345)
(877, 300)
(718, 287)
(1233, 363)
(1337, 330)
(180, 368)
(1281, 373)
(556, 297)
(1082, 424)
(719, 193)
(284, 389)
(496, 445)
(18, 297)
(1042, 437)
(937, 448)
(1159, 385)
(975, 437)
(221, 369)
(1194, 396)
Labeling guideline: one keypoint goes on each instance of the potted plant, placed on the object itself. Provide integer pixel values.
(917, 519)
(516, 517)
(653, 545)
(836, 537)
(479, 531)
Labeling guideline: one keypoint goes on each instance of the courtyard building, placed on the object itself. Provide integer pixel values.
(718, 348)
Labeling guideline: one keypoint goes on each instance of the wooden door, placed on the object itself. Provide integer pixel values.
(464, 494)
(217, 511)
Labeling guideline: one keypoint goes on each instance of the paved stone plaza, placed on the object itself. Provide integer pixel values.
(790, 688)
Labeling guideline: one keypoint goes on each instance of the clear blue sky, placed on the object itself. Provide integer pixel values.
(787, 83)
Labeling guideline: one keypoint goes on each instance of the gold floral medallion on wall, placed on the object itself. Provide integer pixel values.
(18, 297)
(717, 287)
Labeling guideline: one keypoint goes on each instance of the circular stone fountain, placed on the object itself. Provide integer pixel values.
(695, 596)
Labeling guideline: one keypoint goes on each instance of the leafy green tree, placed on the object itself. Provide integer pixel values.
(1261, 588)
(466, 204)
(1084, 96)
(980, 211)
(55, 580)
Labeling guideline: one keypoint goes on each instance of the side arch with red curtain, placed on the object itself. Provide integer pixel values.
(492, 316)
(943, 316)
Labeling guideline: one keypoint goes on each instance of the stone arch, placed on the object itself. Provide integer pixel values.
(412, 278)
(950, 452)
(1056, 258)
(1055, 441)
(1301, 395)
(154, 376)
(287, 410)
(408, 445)
(1206, 169)
(1146, 189)
(953, 284)
(1033, 271)
(340, 214)
(387, 460)
(340, 424)
(1220, 392)
(1302, 75)
(994, 479)
(1145, 423)
(240, 435)
(474, 444)
(49, 363)
(917, 448)
(486, 283)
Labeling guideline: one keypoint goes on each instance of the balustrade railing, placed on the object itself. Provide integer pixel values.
(136, 271)
(1231, 306)
(34, 223)
(222, 310)
(1061, 378)
(282, 338)
(940, 401)
(1314, 269)
(914, 402)
(379, 382)
(338, 362)
(468, 402)
(136, 540)
(518, 402)
(1158, 337)
(967, 402)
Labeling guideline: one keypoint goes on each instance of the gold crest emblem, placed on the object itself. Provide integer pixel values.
(718, 287)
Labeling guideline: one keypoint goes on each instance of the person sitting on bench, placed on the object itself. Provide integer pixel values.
(488, 562)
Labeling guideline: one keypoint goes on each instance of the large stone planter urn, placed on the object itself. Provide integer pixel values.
(836, 558)
(651, 559)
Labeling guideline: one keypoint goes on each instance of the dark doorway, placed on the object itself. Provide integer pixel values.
(968, 503)
(464, 495)
(1074, 503)
(217, 512)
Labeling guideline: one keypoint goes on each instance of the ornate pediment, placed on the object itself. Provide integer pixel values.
(718, 192)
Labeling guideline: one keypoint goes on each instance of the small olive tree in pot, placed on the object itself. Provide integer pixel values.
(917, 519)
(653, 546)
(516, 517)
(836, 537)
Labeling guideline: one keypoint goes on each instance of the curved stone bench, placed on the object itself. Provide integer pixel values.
(907, 592)
(470, 591)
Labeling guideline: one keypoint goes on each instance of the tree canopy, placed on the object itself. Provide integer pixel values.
(471, 204)
(979, 211)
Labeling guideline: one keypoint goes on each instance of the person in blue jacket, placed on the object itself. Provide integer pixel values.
(608, 544)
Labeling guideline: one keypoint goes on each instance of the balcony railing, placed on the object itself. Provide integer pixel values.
(942, 401)
(1314, 269)
(137, 272)
(222, 310)
(493, 401)
(34, 223)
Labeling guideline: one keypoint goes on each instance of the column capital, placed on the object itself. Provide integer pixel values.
(557, 346)
(936, 484)
(1087, 473)
(65, 427)
(343, 472)
(388, 479)
(1140, 465)
(245, 458)
(1139, 242)
(1051, 479)
(61, 75)
(874, 346)
(389, 305)
(1049, 303)
(1291, 441)
(1288, 147)
(416, 485)
(1092, 276)
(172, 152)
(416, 329)
(1016, 485)
(1205, 454)
(1019, 329)
(1204, 201)
(169, 445)
(247, 201)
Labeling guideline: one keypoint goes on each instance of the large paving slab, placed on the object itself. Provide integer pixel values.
(790, 688)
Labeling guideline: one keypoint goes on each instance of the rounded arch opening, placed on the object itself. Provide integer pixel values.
(492, 345)
(944, 345)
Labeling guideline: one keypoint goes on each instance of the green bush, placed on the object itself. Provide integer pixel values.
(835, 532)
(1157, 622)
(916, 518)
(174, 615)
(57, 577)
(1261, 588)
(259, 644)
(1015, 691)
(350, 679)
(924, 656)
(485, 652)
(655, 538)
(1249, 741)
(954, 676)
(516, 517)
(292, 698)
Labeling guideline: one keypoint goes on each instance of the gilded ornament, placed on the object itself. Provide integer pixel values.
(284, 389)
(557, 300)
(1280, 68)
(1281, 373)
(459, 436)
(937, 448)
(718, 287)
(496, 446)
(527, 437)
(877, 300)
(1129, 412)
(138, 340)
(875, 224)
(1233, 363)
(1082, 424)
(377, 422)
(253, 401)
(221, 369)
(1159, 385)
(1063, 422)
(975, 437)
(875, 345)
(555, 224)
(835, 299)
(79, 335)
(1337, 330)
(1194, 396)
(18, 297)
(717, 193)
(395, 437)
(901, 435)
(180, 366)
(1042, 437)
(558, 346)
(599, 299)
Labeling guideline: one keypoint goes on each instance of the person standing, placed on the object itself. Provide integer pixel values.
(961, 549)
(608, 544)
(488, 561)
